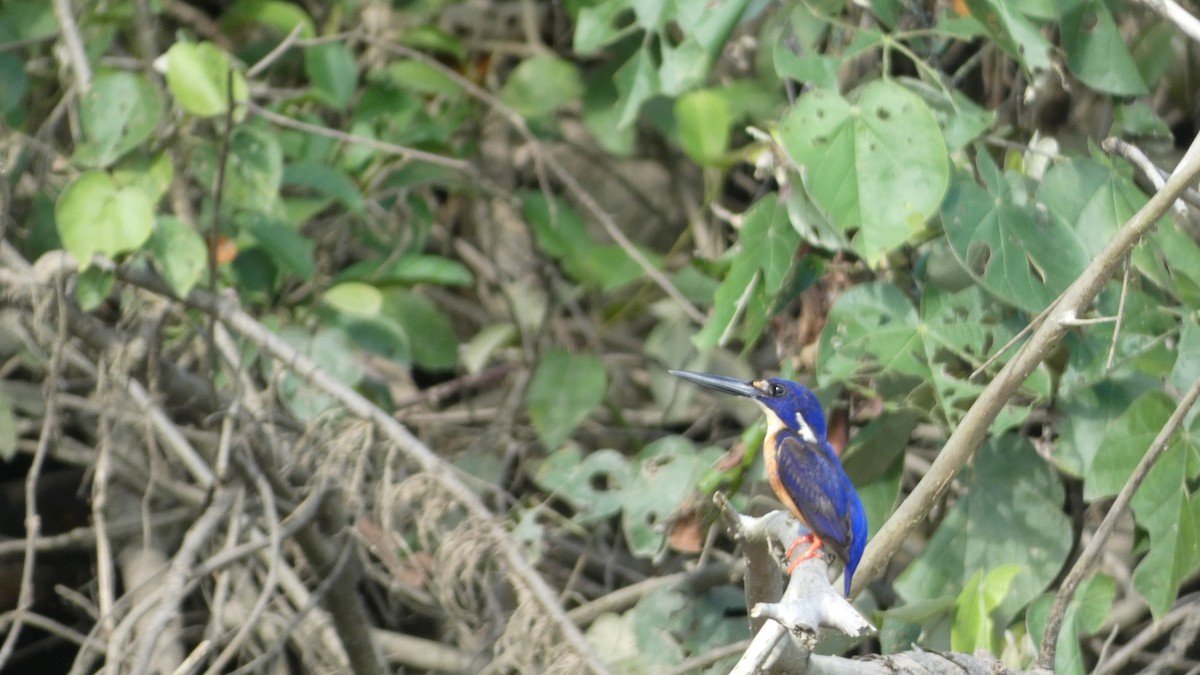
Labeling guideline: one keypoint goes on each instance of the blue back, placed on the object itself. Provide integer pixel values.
(811, 473)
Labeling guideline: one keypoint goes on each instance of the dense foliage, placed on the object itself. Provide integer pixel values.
(502, 222)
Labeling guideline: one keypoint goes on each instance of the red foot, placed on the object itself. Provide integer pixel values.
(813, 548)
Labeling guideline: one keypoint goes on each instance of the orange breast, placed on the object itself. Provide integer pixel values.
(772, 461)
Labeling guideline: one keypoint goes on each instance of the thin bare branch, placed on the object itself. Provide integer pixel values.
(76, 55)
(969, 434)
(1083, 565)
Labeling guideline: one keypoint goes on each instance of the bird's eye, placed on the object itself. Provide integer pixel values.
(776, 390)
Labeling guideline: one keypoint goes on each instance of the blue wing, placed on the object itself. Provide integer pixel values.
(814, 479)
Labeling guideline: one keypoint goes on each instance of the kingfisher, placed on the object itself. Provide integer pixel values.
(802, 467)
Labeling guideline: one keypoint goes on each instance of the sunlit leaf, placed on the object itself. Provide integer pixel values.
(974, 628)
(354, 298)
(199, 77)
(95, 216)
(703, 119)
(877, 166)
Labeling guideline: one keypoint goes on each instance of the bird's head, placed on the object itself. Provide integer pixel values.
(790, 404)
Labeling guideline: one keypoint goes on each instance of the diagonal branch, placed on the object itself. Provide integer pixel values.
(961, 445)
(1083, 565)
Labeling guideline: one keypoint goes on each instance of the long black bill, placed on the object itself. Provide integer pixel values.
(728, 385)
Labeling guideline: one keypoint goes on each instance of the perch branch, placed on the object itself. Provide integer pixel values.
(808, 604)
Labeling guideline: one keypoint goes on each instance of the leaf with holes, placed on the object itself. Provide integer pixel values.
(877, 166)
(666, 472)
(593, 484)
(1023, 255)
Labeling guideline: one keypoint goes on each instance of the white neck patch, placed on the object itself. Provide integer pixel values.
(775, 424)
(804, 430)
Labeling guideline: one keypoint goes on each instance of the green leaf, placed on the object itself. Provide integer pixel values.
(871, 328)
(8, 430)
(596, 26)
(874, 332)
(665, 473)
(354, 298)
(767, 247)
(637, 82)
(705, 30)
(873, 449)
(198, 77)
(1094, 199)
(1090, 409)
(255, 169)
(179, 254)
(421, 78)
(1187, 364)
(325, 180)
(332, 352)
(817, 69)
(94, 216)
(14, 83)
(1166, 508)
(153, 175)
(118, 113)
(1096, 53)
(565, 387)
(562, 234)
(885, 149)
(282, 16)
(93, 286)
(1085, 615)
(290, 249)
(1171, 259)
(960, 119)
(1124, 443)
(1010, 514)
(974, 628)
(703, 119)
(594, 484)
(430, 334)
(540, 85)
(1013, 32)
(479, 350)
(1023, 255)
(333, 72)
